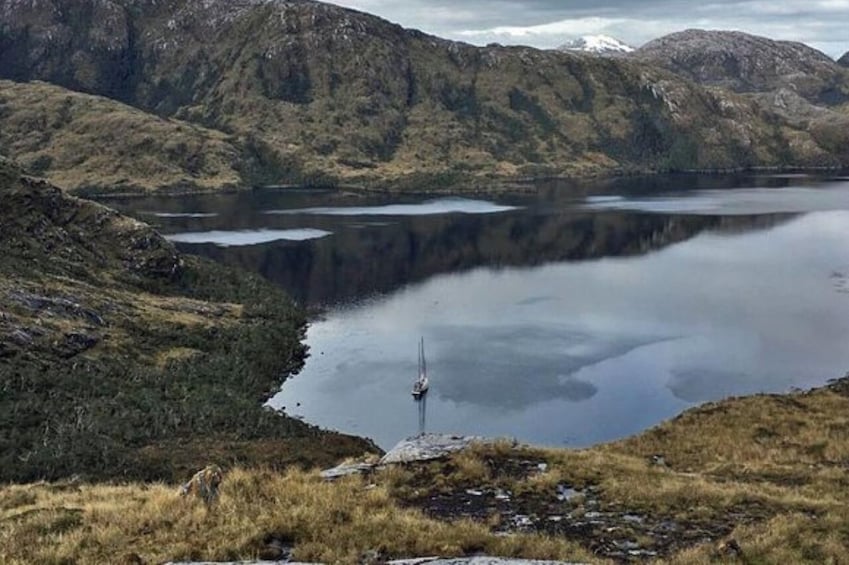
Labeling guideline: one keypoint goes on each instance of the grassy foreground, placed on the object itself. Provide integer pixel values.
(767, 470)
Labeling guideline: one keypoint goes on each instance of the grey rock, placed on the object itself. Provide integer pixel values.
(346, 470)
(566, 493)
(658, 460)
(480, 560)
(20, 337)
(424, 447)
(59, 306)
(844, 60)
(427, 447)
(75, 343)
(633, 518)
(502, 495)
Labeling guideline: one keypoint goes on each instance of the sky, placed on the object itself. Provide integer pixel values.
(823, 24)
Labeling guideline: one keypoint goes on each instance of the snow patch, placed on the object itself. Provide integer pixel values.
(596, 44)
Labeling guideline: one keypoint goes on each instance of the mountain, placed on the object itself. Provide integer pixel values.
(597, 44)
(748, 64)
(116, 350)
(311, 93)
(844, 60)
(89, 143)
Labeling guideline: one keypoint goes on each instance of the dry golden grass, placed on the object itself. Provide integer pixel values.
(329, 522)
(782, 495)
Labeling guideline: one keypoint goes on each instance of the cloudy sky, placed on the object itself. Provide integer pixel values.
(823, 24)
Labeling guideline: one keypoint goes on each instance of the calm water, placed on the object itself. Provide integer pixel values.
(575, 315)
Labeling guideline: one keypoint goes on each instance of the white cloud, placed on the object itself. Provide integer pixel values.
(548, 23)
(561, 28)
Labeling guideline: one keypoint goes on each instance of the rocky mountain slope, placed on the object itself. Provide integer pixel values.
(844, 60)
(321, 94)
(746, 63)
(90, 143)
(119, 356)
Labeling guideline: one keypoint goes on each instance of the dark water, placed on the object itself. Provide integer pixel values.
(577, 314)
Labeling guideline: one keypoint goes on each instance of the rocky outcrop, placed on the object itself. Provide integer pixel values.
(424, 447)
(747, 63)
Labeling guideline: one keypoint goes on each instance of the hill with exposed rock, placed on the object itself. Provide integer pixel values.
(317, 94)
(121, 357)
(747, 63)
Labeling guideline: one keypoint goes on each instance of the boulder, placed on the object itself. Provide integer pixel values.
(426, 447)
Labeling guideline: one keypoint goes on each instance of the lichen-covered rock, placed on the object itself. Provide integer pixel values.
(346, 470)
(426, 447)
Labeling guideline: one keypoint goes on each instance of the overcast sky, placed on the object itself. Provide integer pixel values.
(823, 24)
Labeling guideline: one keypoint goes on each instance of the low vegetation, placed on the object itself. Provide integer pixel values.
(767, 471)
(87, 144)
(120, 357)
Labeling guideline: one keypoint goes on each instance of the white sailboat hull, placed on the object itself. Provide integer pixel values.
(422, 384)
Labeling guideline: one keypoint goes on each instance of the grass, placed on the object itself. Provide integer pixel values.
(327, 522)
(785, 502)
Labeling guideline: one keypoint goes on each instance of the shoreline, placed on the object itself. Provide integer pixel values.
(467, 185)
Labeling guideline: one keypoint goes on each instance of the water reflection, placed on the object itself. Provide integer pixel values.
(360, 262)
(576, 314)
(593, 350)
(421, 408)
(427, 208)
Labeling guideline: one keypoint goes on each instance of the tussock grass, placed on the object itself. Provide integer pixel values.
(328, 522)
(784, 502)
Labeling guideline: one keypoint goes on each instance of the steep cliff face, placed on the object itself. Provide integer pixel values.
(318, 93)
(747, 63)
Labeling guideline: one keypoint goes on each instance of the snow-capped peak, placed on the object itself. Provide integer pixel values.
(596, 44)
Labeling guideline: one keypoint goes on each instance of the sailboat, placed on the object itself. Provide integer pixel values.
(422, 384)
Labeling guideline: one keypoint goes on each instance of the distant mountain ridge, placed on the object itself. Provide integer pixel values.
(597, 44)
(310, 93)
(844, 60)
(747, 63)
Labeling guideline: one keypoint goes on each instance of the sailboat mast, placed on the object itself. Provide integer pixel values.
(424, 362)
